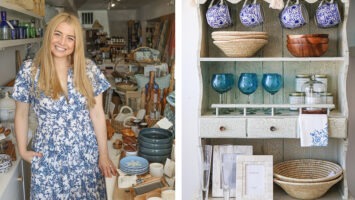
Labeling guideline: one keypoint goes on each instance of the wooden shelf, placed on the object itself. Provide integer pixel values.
(272, 59)
(16, 8)
(11, 43)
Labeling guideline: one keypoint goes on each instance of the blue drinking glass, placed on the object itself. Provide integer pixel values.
(272, 83)
(222, 83)
(247, 84)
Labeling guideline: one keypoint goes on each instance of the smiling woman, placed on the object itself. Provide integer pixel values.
(70, 157)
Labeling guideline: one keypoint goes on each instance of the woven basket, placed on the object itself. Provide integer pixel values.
(307, 190)
(307, 171)
(240, 47)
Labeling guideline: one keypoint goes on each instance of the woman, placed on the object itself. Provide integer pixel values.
(65, 91)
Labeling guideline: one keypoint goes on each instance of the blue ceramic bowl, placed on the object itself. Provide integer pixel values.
(154, 152)
(155, 136)
(159, 159)
(153, 146)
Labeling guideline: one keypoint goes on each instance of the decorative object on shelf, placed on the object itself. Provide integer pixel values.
(327, 14)
(313, 90)
(146, 55)
(272, 83)
(222, 83)
(251, 15)
(307, 190)
(7, 108)
(233, 150)
(248, 42)
(294, 16)
(206, 158)
(307, 171)
(218, 15)
(228, 173)
(5, 27)
(307, 45)
(247, 84)
(254, 177)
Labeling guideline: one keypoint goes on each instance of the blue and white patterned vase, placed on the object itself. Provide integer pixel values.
(218, 15)
(294, 16)
(251, 15)
(327, 15)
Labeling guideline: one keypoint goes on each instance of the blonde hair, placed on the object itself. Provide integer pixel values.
(48, 81)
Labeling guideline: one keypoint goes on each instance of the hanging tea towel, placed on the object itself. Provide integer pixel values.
(313, 129)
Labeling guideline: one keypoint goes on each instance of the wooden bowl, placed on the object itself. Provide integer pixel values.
(307, 36)
(308, 40)
(307, 50)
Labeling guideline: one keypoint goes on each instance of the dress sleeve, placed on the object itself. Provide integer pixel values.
(99, 81)
(22, 87)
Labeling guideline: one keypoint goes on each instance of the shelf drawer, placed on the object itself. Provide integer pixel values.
(222, 127)
(337, 127)
(272, 128)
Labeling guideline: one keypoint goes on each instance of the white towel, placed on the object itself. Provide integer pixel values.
(313, 129)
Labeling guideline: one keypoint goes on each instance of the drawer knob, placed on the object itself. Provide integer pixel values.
(222, 128)
(272, 128)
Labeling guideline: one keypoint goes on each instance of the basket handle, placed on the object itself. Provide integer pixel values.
(126, 107)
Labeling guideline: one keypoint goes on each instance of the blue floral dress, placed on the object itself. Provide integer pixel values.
(65, 136)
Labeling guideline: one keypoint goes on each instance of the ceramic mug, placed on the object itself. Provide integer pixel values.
(156, 169)
(218, 15)
(251, 15)
(327, 15)
(294, 16)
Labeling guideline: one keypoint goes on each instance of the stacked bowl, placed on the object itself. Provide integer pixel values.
(155, 144)
(307, 178)
(307, 45)
(239, 43)
(134, 165)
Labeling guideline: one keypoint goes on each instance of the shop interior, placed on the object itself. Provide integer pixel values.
(133, 44)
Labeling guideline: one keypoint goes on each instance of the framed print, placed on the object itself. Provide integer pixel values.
(226, 155)
(254, 177)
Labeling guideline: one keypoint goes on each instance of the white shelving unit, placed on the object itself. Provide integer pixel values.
(277, 134)
(18, 12)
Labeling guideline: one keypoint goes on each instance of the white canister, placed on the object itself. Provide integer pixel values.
(327, 98)
(301, 79)
(296, 98)
(322, 78)
(168, 194)
(156, 169)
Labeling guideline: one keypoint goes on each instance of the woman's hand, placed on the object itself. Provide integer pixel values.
(29, 155)
(107, 167)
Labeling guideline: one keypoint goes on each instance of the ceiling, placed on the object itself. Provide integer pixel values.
(75, 5)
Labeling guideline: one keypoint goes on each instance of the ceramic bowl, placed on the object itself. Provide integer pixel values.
(307, 50)
(154, 152)
(153, 145)
(155, 136)
(160, 159)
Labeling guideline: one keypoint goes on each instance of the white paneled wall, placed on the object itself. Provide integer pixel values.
(8, 63)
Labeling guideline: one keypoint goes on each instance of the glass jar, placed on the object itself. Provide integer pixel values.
(313, 92)
(15, 31)
(5, 30)
(296, 98)
(301, 79)
(322, 78)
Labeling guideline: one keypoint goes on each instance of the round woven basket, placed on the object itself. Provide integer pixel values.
(307, 190)
(307, 171)
(240, 47)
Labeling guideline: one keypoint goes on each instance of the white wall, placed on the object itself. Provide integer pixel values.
(101, 16)
(190, 94)
(118, 21)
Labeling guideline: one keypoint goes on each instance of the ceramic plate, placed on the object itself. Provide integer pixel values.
(133, 162)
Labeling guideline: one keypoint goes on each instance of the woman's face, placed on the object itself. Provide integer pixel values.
(63, 41)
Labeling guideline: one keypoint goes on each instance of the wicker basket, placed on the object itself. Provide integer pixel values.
(240, 47)
(307, 190)
(307, 171)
